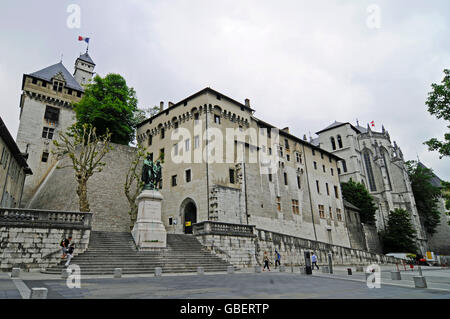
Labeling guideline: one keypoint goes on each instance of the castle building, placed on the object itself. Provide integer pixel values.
(13, 169)
(223, 164)
(45, 110)
(369, 157)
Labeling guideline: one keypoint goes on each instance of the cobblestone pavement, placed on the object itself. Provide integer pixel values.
(266, 285)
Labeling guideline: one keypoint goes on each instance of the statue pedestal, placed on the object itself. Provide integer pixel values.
(149, 232)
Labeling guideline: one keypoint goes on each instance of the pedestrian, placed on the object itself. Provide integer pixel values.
(266, 261)
(65, 246)
(70, 254)
(314, 261)
(277, 258)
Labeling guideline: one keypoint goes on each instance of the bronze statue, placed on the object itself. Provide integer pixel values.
(151, 174)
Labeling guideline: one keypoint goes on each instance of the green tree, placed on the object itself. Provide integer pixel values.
(399, 236)
(86, 150)
(109, 104)
(439, 105)
(425, 194)
(357, 194)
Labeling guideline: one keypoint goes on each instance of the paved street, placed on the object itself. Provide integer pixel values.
(247, 285)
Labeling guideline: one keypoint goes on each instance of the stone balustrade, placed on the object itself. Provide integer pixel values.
(219, 228)
(44, 218)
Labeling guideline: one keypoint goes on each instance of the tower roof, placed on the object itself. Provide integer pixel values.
(338, 124)
(49, 72)
(86, 58)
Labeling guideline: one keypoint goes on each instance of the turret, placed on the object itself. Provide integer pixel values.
(84, 69)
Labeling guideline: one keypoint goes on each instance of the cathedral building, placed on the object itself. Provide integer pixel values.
(45, 110)
(370, 158)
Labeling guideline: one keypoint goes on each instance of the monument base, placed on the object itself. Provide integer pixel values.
(149, 232)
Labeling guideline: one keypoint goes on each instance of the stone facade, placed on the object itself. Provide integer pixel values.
(246, 248)
(105, 191)
(227, 179)
(13, 169)
(369, 157)
(45, 111)
(30, 239)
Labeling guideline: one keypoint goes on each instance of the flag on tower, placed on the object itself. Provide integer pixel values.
(372, 123)
(80, 38)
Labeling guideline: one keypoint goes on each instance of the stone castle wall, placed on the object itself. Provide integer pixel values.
(105, 191)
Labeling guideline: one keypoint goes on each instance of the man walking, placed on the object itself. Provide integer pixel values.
(70, 254)
(65, 246)
(277, 258)
(314, 261)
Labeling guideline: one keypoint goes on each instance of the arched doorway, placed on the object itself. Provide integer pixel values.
(189, 212)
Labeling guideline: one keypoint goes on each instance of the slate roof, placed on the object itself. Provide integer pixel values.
(351, 206)
(85, 57)
(435, 181)
(49, 72)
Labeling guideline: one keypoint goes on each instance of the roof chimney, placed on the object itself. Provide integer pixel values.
(161, 106)
(170, 104)
(286, 129)
(247, 103)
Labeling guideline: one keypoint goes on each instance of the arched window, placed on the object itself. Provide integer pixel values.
(384, 153)
(333, 143)
(370, 177)
(339, 139)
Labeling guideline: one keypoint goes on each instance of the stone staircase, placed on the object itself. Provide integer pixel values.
(108, 250)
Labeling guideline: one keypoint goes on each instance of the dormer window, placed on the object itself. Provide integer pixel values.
(58, 86)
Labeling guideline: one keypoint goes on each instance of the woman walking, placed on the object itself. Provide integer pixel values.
(266, 261)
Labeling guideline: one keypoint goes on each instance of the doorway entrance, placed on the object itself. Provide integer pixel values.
(190, 216)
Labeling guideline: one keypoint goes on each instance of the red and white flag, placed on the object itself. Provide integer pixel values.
(372, 123)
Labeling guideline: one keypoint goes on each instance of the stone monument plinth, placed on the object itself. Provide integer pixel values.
(149, 232)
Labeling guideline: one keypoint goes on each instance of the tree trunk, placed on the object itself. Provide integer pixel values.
(82, 195)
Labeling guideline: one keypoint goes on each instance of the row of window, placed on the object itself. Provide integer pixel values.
(336, 190)
(57, 86)
(333, 142)
(330, 211)
(187, 177)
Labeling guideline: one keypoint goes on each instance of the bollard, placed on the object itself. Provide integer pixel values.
(158, 272)
(282, 268)
(349, 271)
(257, 269)
(230, 269)
(420, 282)
(308, 263)
(200, 270)
(395, 275)
(117, 272)
(38, 293)
(15, 273)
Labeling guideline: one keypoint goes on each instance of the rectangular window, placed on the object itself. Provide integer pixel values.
(161, 153)
(285, 179)
(313, 152)
(44, 157)
(270, 177)
(339, 171)
(321, 155)
(288, 157)
(344, 166)
(174, 180)
(298, 157)
(321, 211)
(286, 143)
(170, 220)
(279, 203)
(338, 214)
(323, 168)
(232, 176)
(328, 191)
(188, 176)
(280, 151)
(175, 149)
(295, 208)
(298, 182)
(196, 117)
(162, 132)
(336, 192)
(315, 165)
(47, 132)
(270, 151)
(196, 141)
(150, 140)
(217, 119)
(69, 91)
(187, 145)
(332, 172)
(331, 213)
(51, 114)
(317, 186)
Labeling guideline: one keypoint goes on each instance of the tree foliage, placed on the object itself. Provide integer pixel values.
(109, 104)
(86, 150)
(399, 236)
(439, 105)
(357, 194)
(425, 194)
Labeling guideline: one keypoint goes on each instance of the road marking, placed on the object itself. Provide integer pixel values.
(24, 291)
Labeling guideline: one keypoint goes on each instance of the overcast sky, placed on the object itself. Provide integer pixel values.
(302, 64)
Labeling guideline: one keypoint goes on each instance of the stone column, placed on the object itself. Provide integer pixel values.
(149, 232)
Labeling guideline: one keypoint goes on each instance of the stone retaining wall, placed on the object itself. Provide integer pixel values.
(29, 239)
(246, 250)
